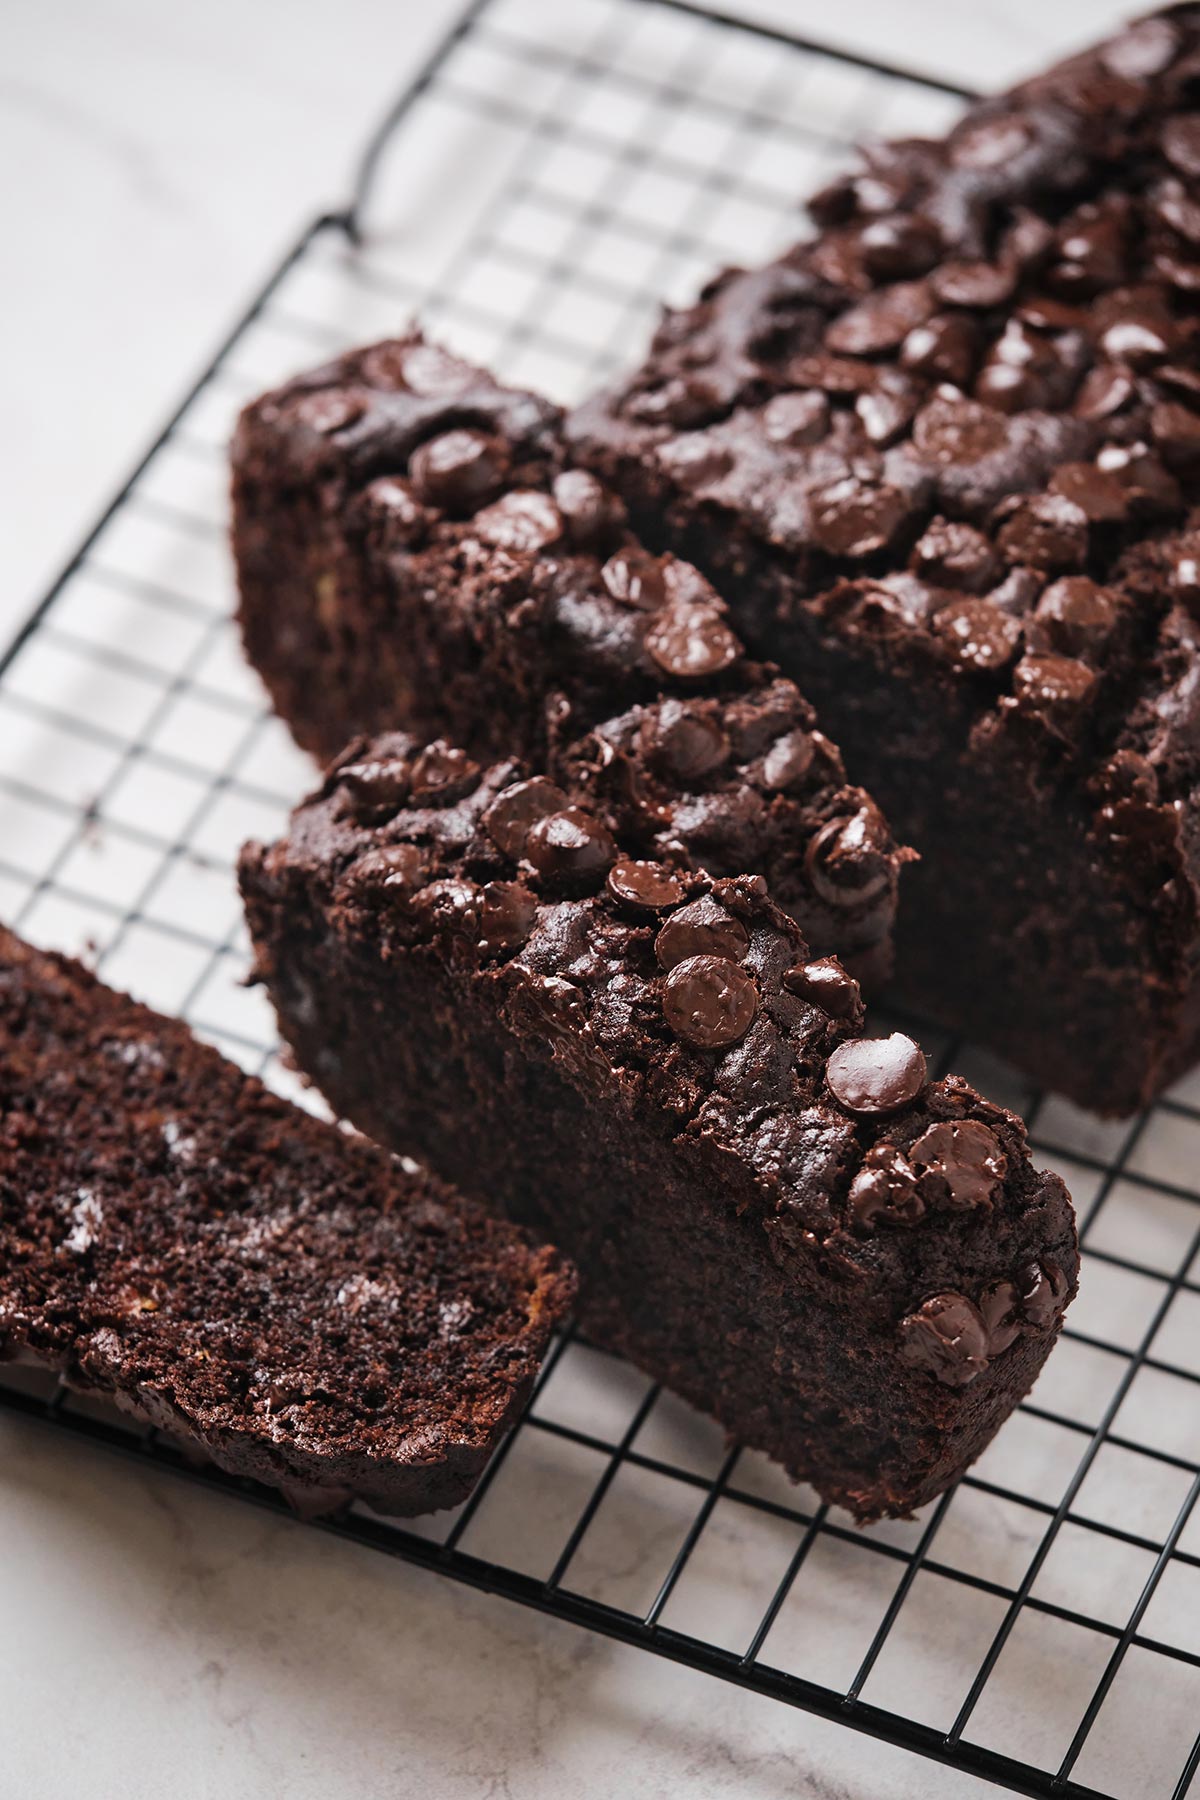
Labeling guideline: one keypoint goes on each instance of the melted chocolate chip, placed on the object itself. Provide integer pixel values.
(948, 1337)
(390, 871)
(945, 349)
(849, 861)
(978, 634)
(571, 850)
(955, 555)
(329, 411)
(1000, 1310)
(701, 928)
(979, 285)
(1076, 615)
(1055, 686)
(950, 431)
(685, 743)
(1043, 1292)
(459, 470)
(1143, 49)
(512, 812)
(796, 419)
(443, 773)
(885, 1190)
(635, 578)
(592, 512)
(876, 1075)
(696, 461)
(709, 1002)
(857, 518)
(827, 985)
(1181, 144)
(644, 886)
(506, 916)
(882, 320)
(1046, 531)
(691, 642)
(450, 908)
(788, 760)
(395, 511)
(523, 522)
(904, 244)
(961, 1163)
(376, 788)
(1103, 392)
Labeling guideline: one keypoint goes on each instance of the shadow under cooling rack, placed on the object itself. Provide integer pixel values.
(554, 175)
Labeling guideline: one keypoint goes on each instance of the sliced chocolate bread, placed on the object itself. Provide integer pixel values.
(411, 552)
(851, 1267)
(289, 1301)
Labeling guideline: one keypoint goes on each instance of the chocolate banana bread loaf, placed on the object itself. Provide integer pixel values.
(290, 1302)
(929, 458)
(852, 1267)
(411, 552)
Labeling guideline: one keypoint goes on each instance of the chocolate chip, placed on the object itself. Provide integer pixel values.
(945, 349)
(788, 761)
(1181, 144)
(954, 555)
(449, 907)
(392, 871)
(506, 916)
(960, 1162)
(377, 787)
(1176, 431)
(857, 518)
(827, 985)
(1103, 392)
(570, 850)
(460, 469)
(1143, 49)
(709, 1002)
(701, 928)
(1055, 686)
(524, 521)
(1149, 484)
(443, 773)
(979, 285)
(426, 369)
(1185, 569)
(882, 320)
(885, 1190)
(635, 578)
(685, 743)
(952, 431)
(948, 1337)
(691, 642)
(989, 143)
(1140, 339)
(1076, 615)
(1000, 1309)
(904, 244)
(1018, 591)
(695, 461)
(1044, 1289)
(796, 419)
(1091, 251)
(876, 1075)
(1047, 531)
(645, 886)
(978, 634)
(395, 511)
(593, 513)
(1097, 494)
(329, 411)
(886, 410)
(849, 861)
(510, 815)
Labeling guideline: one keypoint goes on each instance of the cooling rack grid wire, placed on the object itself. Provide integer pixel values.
(551, 177)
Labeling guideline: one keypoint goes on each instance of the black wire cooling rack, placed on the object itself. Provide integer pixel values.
(551, 176)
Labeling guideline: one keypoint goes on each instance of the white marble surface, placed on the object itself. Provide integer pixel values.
(159, 1639)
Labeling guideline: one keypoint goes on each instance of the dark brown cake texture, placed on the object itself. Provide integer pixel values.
(930, 459)
(852, 1267)
(288, 1301)
(411, 552)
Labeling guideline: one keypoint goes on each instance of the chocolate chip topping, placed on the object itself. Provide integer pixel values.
(1000, 1309)
(826, 983)
(849, 860)
(960, 1162)
(701, 928)
(376, 787)
(876, 1075)
(644, 886)
(389, 871)
(947, 1336)
(954, 555)
(709, 1002)
(395, 511)
(443, 773)
(1044, 1288)
(856, 518)
(796, 419)
(524, 521)
(507, 915)
(592, 512)
(635, 578)
(516, 808)
(788, 760)
(885, 1190)
(978, 635)
(685, 742)
(1054, 686)
(1076, 615)
(570, 850)
(691, 642)
(459, 470)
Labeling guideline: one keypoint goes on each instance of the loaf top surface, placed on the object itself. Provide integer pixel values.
(694, 1004)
